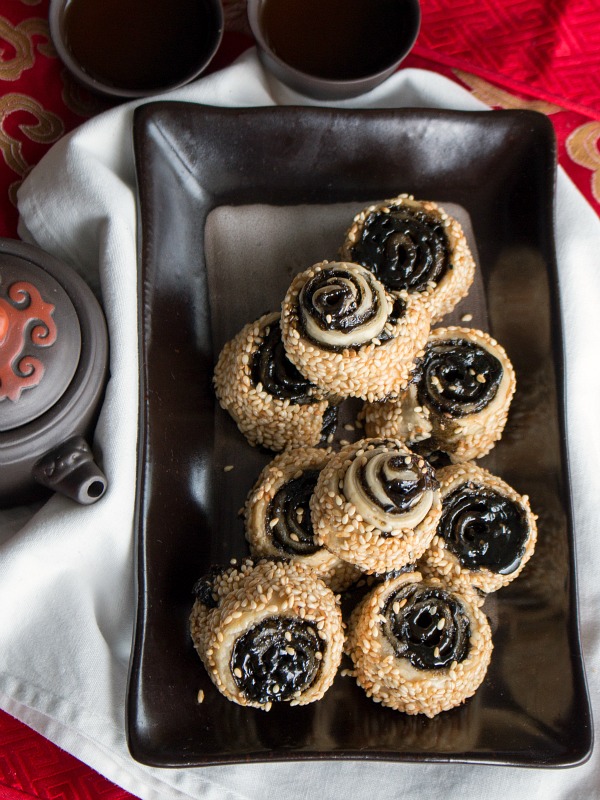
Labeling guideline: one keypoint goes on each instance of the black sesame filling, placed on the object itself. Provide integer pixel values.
(405, 248)
(204, 587)
(330, 421)
(427, 625)
(333, 298)
(458, 377)
(276, 659)
(402, 492)
(431, 450)
(484, 528)
(278, 376)
(288, 517)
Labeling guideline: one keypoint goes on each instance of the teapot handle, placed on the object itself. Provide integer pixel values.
(71, 470)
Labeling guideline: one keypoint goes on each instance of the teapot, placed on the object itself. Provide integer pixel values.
(53, 371)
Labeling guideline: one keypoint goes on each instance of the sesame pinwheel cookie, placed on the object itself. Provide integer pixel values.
(418, 647)
(376, 505)
(345, 333)
(267, 633)
(278, 520)
(414, 246)
(459, 401)
(273, 405)
(486, 533)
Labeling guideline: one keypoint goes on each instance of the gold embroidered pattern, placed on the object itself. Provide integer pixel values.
(46, 130)
(499, 98)
(23, 38)
(583, 146)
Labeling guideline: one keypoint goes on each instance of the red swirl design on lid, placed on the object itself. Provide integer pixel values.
(19, 367)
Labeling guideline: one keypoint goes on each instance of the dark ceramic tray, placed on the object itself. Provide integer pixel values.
(280, 184)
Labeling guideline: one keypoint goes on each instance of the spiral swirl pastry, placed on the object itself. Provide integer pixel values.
(278, 519)
(343, 306)
(376, 505)
(458, 377)
(261, 644)
(390, 489)
(289, 515)
(486, 533)
(418, 647)
(426, 625)
(272, 369)
(484, 529)
(276, 659)
(347, 335)
(271, 402)
(405, 248)
(459, 402)
(413, 246)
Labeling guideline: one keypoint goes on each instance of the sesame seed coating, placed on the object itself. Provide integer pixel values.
(376, 369)
(392, 680)
(264, 419)
(257, 591)
(335, 573)
(439, 561)
(463, 438)
(343, 528)
(442, 296)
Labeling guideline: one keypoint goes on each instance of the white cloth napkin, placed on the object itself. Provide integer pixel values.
(66, 574)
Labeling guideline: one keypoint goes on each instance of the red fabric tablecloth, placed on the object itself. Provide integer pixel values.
(539, 54)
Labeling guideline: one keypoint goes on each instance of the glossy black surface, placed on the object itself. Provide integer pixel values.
(405, 248)
(276, 658)
(484, 528)
(458, 377)
(413, 616)
(499, 167)
(273, 369)
(288, 515)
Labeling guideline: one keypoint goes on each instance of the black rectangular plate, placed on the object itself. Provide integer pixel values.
(499, 168)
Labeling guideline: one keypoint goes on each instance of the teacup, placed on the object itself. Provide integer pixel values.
(334, 49)
(135, 48)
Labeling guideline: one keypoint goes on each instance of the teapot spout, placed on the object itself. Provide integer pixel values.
(70, 469)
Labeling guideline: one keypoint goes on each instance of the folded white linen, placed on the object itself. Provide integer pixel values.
(66, 573)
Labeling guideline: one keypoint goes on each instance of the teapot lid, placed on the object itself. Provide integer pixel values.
(40, 340)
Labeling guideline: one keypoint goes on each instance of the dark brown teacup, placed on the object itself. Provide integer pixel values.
(334, 49)
(135, 48)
